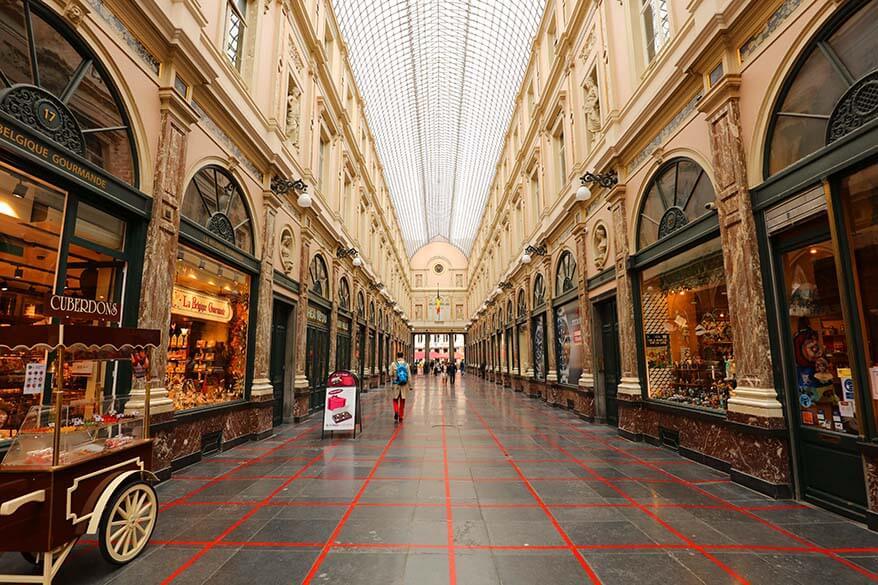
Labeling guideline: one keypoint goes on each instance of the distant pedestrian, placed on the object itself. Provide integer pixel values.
(401, 375)
(452, 371)
(461, 367)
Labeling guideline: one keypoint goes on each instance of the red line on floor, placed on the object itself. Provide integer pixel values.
(334, 536)
(452, 570)
(729, 505)
(258, 506)
(564, 536)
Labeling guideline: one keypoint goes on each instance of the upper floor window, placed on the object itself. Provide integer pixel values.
(656, 26)
(236, 21)
(319, 277)
(558, 144)
(565, 278)
(215, 201)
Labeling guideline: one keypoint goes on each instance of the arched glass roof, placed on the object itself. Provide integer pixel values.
(439, 78)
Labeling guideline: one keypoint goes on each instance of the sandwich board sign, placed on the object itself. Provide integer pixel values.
(342, 399)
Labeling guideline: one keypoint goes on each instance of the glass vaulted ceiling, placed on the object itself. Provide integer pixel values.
(439, 78)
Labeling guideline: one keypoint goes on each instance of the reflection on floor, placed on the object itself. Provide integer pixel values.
(478, 486)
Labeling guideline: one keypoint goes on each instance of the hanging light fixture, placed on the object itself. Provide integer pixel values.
(19, 273)
(4, 286)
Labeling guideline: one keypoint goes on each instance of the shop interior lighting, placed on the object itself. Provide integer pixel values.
(4, 286)
(19, 273)
(201, 264)
(439, 80)
(20, 190)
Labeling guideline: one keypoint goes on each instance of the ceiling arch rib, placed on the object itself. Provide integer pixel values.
(439, 78)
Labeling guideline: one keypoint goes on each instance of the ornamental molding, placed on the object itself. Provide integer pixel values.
(855, 109)
(36, 108)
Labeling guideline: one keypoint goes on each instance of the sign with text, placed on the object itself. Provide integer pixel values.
(192, 303)
(340, 409)
(79, 309)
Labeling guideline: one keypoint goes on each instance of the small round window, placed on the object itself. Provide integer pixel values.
(438, 269)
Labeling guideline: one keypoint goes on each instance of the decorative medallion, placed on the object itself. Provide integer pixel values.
(39, 110)
(220, 225)
(856, 108)
(673, 219)
(438, 268)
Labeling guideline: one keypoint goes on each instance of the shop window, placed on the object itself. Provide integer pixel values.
(539, 291)
(361, 307)
(319, 277)
(822, 100)
(215, 202)
(207, 351)
(99, 227)
(687, 333)
(80, 108)
(678, 195)
(522, 304)
(568, 332)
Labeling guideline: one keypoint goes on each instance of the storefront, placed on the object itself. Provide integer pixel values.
(509, 339)
(817, 213)
(72, 222)
(372, 348)
(682, 314)
(317, 333)
(539, 334)
(210, 338)
(521, 338)
(568, 332)
(361, 338)
(343, 334)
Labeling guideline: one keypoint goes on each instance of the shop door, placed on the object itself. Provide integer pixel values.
(343, 352)
(278, 360)
(540, 355)
(817, 369)
(361, 343)
(317, 368)
(610, 366)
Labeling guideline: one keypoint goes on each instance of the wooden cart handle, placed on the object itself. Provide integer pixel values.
(10, 507)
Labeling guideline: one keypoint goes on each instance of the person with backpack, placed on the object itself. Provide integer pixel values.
(401, 376)
(452, 371)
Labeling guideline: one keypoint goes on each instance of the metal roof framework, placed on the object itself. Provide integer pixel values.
(439, 78)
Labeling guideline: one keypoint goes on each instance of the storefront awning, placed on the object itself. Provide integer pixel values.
(108, 341)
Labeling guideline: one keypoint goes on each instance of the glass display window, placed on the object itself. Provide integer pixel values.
(686, 329)
(207, 349)
(568, 343)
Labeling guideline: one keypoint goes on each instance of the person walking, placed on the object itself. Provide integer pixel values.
(452, 371)
(444, 372)
(401, 376)
(461, 367)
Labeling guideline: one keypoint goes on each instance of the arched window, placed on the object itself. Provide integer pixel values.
(539, 291)
(372, 312)
(65, 93)
(361, 307)
(215, 201)
(510, 316)
(319, 276)
(380, 319)
(676, 196)
(344, 294)
(565, 277)
(522, 304)
(831, 90)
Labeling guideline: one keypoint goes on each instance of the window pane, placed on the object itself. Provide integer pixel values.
(795, 138)
(854, 43)
(816, 89)
(99, 227)
(859, 194)
(687, 333)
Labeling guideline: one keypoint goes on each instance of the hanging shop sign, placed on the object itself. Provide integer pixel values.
(76, 308)
(191, 303)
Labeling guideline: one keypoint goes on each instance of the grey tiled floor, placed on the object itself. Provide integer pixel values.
(478, 486)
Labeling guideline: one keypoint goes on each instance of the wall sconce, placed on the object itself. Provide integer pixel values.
(606, 180)
(376, 285)
(504, 285)
(533, 251)
(281, 186)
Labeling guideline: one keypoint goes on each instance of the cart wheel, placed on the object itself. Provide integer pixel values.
(128, 522)
(36, 559)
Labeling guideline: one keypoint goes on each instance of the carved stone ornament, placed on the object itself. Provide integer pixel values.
(286, 251)
(601, 243)
(855, 109)
(293, 110)
(592, 107)
(39, 110)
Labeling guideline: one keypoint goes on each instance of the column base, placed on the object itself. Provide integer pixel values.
(759, 403)
(630, 387)
(261, 387)
(159, 402)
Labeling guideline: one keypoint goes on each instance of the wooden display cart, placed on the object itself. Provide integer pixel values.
(81, 467)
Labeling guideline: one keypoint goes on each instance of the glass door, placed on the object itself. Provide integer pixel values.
(609, 363)
(825, 410)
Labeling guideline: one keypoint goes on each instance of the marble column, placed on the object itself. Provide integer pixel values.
(355, 331)
(754, 401)
(333, 312)
(301, 385)
(261, 386)
(160, 256)
(427, 346)
(586, 379)
(551, 394)
(629, 386)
